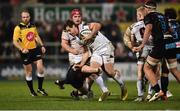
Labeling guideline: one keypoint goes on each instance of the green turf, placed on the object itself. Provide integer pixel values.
(15, 95)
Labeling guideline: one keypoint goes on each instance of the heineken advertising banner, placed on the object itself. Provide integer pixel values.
(91, 12)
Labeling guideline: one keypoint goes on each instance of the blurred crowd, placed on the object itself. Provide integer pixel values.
(51, 33)
(16, 2)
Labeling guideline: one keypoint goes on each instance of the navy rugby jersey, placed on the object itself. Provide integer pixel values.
(159, 26)
(175, 29)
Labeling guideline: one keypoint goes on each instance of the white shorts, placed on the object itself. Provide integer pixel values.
(103, 55)
(74, 59)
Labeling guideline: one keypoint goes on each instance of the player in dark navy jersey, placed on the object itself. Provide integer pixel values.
(157, 26)
(171, 14)
(171, 43)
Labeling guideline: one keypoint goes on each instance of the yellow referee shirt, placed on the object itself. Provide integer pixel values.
(25, 35)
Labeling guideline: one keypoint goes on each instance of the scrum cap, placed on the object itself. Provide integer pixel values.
(76, 12)
(150, 4)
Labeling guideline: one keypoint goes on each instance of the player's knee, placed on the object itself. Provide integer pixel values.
(149, 65)
(110, 73)
(40, 70)
(173, 65)
(28, 71)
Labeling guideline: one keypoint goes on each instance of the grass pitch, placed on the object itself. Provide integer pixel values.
(14, 95)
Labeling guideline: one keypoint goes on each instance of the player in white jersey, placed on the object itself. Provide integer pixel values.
(133, 37)
(137, 35)
(102, 50)
(69, 43)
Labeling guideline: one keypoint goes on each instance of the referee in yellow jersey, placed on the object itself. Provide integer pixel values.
(31, 48)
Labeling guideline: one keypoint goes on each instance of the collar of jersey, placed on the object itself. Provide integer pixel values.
(24, 24)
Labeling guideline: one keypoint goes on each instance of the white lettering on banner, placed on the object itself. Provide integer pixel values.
(65, 15)
(107, 11)
(38, 14)
(95, 15)
(49, 71)
(128, 71)
(57, 14)
(49, 15)
(86, 13)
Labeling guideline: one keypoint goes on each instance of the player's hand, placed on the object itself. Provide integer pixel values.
(24, 51)
(43, 49)
(137, 49)
(75, 51)
(86, 38)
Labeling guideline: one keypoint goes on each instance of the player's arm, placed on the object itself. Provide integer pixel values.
(85, 56)
(37, 38)
(127, 38)
(16, 38)
(65, 44)
(147, 33)
(94, 27)
(39, 41)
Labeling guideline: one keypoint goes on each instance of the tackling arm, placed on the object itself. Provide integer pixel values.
(94, 27)
(66, 46)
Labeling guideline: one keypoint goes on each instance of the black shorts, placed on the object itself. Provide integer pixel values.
(178, 53)
(76, 78)
(159, 52)
(171, 52)
(31, 56)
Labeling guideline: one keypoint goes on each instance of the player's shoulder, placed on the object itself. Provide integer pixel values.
(136, 24)
(17, 28)
(132, 25)
(66, 36)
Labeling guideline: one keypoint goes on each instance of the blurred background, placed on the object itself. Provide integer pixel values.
(49, 16)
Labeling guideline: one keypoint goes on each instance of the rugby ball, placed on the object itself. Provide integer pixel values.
(85, 33)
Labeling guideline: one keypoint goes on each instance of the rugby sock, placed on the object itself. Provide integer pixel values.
(100, 82)
(118, 79)
(88, 83)
(156, 88)
(140, 88)
(29, 83)
(164, 84)
(40, 80)
(150, 91)
(159, 83)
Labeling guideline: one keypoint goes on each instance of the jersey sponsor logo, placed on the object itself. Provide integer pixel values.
(30, 36)
(170, 46)
(177, 44)
(38, 55)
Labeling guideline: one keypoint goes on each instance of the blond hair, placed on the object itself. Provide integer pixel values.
(141, 9)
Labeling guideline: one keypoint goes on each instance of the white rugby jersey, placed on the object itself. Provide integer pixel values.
(98, 42)
(137, 31)
(74, 44)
